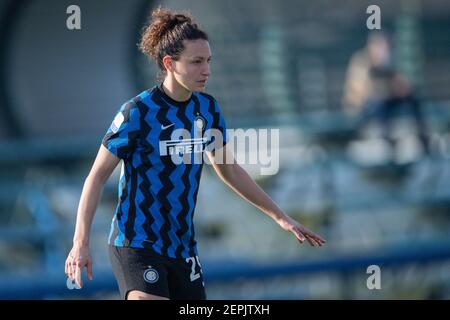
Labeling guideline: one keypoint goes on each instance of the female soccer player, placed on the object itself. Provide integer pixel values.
(159, 134)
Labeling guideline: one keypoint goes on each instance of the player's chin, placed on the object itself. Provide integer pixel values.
(200, 86)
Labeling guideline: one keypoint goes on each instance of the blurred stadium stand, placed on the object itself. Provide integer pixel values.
(278, 65)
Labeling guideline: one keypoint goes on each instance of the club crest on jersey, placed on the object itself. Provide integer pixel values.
(199, 123)
(151, 275)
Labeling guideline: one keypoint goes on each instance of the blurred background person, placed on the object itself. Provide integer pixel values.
(375, 89)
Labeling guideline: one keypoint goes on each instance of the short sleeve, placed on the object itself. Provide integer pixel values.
(122, 135)
(219, 139)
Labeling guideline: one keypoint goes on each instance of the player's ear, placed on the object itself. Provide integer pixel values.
(168, 63)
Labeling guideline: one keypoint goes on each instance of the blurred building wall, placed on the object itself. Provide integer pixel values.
(64, 81)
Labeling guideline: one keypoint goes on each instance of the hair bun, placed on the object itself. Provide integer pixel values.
(166, 21)
(163, 21)
(182, 18)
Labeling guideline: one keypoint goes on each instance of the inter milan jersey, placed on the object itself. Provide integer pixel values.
(162, 144)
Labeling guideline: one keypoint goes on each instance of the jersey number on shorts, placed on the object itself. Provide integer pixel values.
(194, 276)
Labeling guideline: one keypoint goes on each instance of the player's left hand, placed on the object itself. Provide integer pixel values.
(301, 232)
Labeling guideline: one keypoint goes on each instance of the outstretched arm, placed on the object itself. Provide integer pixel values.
(79, 257)
(239, 181)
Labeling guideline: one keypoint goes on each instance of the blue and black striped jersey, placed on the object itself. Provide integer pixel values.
(162, 143)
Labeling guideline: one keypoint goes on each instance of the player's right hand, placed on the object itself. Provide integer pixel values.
(78, 258)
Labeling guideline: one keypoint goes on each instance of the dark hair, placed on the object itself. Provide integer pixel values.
(164, 35)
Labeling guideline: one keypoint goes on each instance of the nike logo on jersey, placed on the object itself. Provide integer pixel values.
(165, 127)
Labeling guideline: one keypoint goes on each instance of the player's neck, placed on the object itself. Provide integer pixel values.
(175, 90)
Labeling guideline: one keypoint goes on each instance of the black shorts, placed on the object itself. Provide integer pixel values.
(145, 270)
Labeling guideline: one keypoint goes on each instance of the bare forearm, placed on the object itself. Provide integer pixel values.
(239, 180)
(90, 197)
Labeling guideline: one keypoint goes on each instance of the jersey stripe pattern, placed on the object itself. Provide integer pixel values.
(156, 195)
